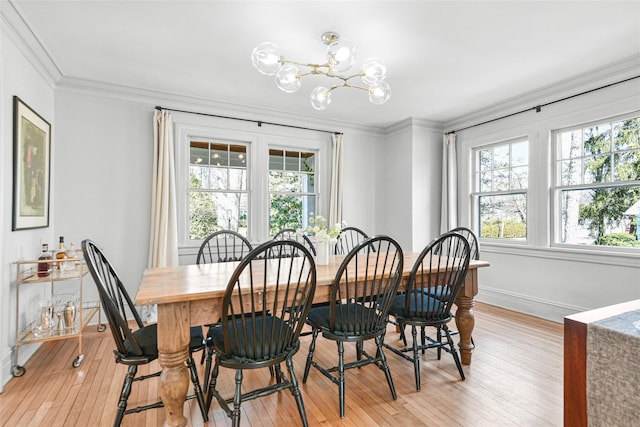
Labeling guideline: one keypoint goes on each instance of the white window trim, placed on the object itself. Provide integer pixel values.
(258, 144)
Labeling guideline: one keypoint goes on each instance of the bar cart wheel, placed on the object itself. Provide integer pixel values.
(102, 327)
(18, 371)
(78, 360)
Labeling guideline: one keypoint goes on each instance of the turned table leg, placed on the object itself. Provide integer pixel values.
(173, 347)
(465, 319)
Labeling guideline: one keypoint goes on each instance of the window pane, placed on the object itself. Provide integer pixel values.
(520, 153)
(485, 181)
(597, 140)
(199, 153)
(503, 216)
(218, 179)
(519, 178)
(209, 212)
(501, 180)
(292, 161)
(237, 179)
(627, 134)
(571, 172)
(276, 161)
(501, 156)
(309, 162)
(308, 182)
(238, 156)
(600, 216)
(219, 154)
(485, 159)
(290, 211)
(276, 181)
(571, 143)
(597, 169)
(198, 177)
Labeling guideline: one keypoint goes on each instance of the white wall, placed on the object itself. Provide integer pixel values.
(535, 278)
(408, 184)
(19, 77)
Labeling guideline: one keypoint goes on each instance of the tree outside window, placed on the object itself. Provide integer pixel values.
(599, 182)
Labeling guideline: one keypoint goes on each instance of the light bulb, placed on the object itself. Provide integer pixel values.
(373, 71)
(288, 78)
(342, 55)
(320, 98)
(267, 58)
(379, 93)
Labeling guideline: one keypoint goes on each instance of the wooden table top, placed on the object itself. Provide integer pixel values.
(204, 281)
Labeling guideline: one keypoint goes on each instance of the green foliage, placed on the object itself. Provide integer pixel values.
(497, 229)
(618, 239)
(203, 212)
(609, 204)
(285, 212)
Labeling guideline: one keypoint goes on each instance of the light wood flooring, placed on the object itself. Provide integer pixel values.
(515, 380)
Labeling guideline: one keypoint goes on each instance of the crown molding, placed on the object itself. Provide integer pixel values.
(411, 123)
(612, 73)
(15, 27)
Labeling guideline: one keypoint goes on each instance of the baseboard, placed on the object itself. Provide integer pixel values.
(545, 309)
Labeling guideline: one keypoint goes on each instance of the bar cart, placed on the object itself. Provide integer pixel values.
(63, 315)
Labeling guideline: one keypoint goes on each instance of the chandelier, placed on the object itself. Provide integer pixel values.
(341, 55)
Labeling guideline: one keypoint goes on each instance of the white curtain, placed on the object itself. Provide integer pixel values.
(163, 245)
(449, 212)
(335, 201)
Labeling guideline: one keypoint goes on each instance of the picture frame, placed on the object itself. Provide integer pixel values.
(31, 168)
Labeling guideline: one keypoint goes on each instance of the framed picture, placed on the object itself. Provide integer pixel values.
(31, 167)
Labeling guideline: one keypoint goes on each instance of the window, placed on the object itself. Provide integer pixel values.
(251, 181)
(501, 182)
(597, 175)
(292, 189)
(218, 196)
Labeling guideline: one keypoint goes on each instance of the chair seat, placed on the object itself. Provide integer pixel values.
(420, 305)
(147, 338)
(348, 317)
(440, 292)
(277, 334)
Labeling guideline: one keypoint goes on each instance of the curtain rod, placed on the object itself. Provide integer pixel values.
(259, 122)
(538, 108)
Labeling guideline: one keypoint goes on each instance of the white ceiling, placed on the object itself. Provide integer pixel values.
(445, 59)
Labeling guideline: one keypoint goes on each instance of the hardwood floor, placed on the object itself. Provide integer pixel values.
(515, 380)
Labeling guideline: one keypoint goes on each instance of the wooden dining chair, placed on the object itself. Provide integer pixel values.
(360, 297)
(263, 311)
(435, 281)
(134, 346)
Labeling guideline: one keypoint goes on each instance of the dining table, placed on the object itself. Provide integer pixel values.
(191, 295)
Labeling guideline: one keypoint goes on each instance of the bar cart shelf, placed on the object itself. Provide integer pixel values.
(61, 270)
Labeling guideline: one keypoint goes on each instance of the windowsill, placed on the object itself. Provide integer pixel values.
(608, 257)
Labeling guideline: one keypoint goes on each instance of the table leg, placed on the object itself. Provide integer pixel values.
(465, 322)
(173, 349)
(465, 319)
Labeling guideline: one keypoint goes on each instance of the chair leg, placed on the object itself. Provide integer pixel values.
(341, 377)
(453, 350)
(124, 394)
(416, 356)
(295, 391)
(196, 387)
(439, 338)
(212, 385)
(237, 399)
(207, 368)
(423, 339)
(385, 366)
(312, 347)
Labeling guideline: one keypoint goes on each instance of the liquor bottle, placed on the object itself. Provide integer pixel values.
(44, 268)
(62, 252)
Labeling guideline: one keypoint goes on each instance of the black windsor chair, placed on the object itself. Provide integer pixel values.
(360, 297)
(440, 269)
(263, 310)
(291, 234)
(348, 239)
(220, 246)
(133, 347)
